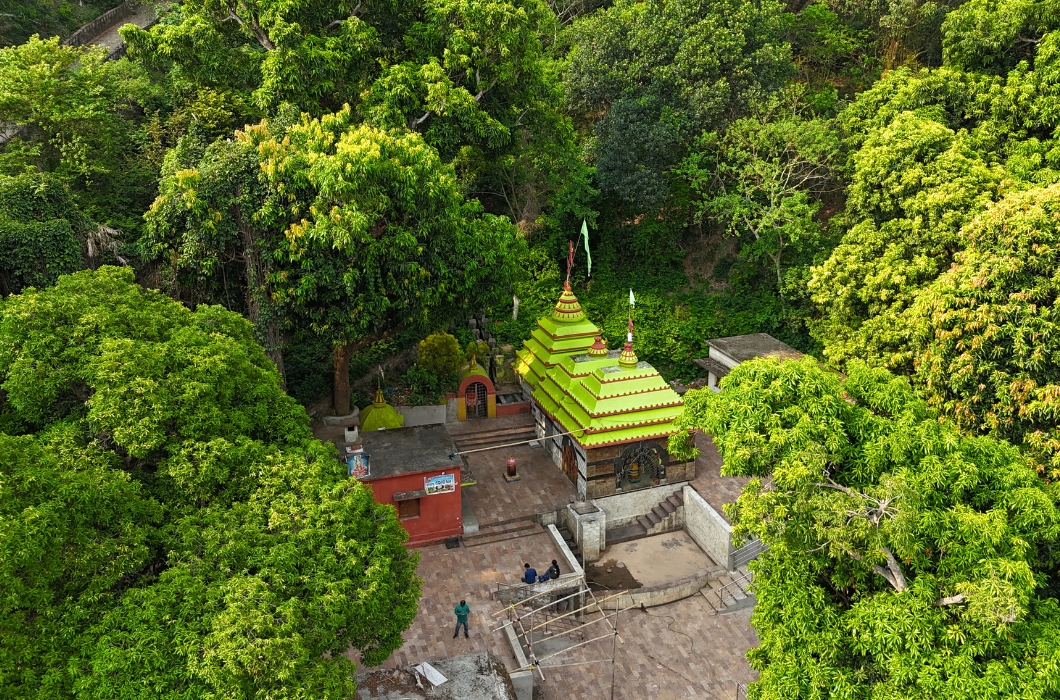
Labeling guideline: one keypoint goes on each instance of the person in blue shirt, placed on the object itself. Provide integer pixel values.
(530, 575)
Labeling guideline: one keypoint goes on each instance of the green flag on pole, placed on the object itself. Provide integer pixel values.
(588, 258)
(632, 301)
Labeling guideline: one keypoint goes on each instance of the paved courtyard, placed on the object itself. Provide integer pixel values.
(542, 486)
(468, 573)
(676, 651)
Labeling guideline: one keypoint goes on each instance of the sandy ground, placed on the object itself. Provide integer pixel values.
(655, 560)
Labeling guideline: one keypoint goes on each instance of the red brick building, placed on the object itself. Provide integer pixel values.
(411, 469)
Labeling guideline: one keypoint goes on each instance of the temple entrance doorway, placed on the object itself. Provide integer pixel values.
(570, 461)
(475, 398)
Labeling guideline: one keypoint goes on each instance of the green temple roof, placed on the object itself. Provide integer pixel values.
(380, 415)
(608, 399)
(565, 331)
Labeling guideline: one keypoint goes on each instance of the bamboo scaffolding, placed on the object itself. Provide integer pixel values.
(536, 595)
(598, 605)
(580, 663)
(519, 617)
(563, 651)
(572, 612)
(586, 624)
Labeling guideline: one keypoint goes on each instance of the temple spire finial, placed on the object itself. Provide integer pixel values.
(628, 358)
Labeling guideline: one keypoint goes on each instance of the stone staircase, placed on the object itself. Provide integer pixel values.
(665, 517)
(501, 531)
(728, 592)
(568, 537)
(484, 433)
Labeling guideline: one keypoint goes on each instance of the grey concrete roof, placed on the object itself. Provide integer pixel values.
(714, 366)
(479, 676)
(409, 450)
(747, 347)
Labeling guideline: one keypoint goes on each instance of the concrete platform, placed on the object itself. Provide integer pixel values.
(655, 560)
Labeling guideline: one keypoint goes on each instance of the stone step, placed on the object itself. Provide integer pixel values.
(660, 512)
(667, 506)
(506, 437)
(492, 531)
(626, 533)
(676, 500)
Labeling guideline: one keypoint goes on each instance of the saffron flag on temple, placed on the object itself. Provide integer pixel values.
(632, 301)
(588, 258)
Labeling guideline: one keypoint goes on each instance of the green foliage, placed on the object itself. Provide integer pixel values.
(222, 552)
(41, 232)
(398, 243)
(760, 178)
(20, 19)
(834, 56)
(424, 386)
(914, 183)
(439, 354)
(78, 112)
(987, 353)
(651, 76)
(905, 560)
(471, 76)
(995, 36)
(478, 349)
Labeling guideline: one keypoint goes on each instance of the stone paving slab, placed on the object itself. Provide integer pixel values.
(716, 489)
(671, 652)
(450, 575)
(676, 651)
(542, 486)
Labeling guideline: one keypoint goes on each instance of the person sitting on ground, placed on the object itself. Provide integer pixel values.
(530, 575)
(553, 571)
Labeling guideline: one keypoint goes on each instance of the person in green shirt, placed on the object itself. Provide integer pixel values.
(462, 611)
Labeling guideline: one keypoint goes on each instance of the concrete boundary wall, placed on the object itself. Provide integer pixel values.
(706, 526)
(422, 415)
(572, 563)
(522, 681)
(624, 508)
(662, 594)
(96, 26)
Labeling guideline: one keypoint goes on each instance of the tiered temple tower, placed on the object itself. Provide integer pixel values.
(610, 413)
(563, 332)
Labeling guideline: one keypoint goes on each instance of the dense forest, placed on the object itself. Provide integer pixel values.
(289, 196)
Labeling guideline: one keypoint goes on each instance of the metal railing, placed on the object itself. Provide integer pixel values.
(731, 590)
(749, 551)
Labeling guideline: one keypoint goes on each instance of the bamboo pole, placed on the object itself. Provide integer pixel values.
(580, 663)
(586, 624)
(541, 608)
(561, 651)
(582, 608)
(598, 605)
(536, 595)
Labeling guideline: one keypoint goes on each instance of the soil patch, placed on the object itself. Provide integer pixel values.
(610, 574)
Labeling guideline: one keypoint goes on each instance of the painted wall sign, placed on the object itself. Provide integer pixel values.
(443, 483)
(358, 465)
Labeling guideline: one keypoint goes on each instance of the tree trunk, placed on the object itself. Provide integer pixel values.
(274, 351)
(341, 387)
(255, 272)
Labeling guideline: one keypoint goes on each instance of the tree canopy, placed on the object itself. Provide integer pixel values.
(655, 75)
(167, 525)
(905, 559)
